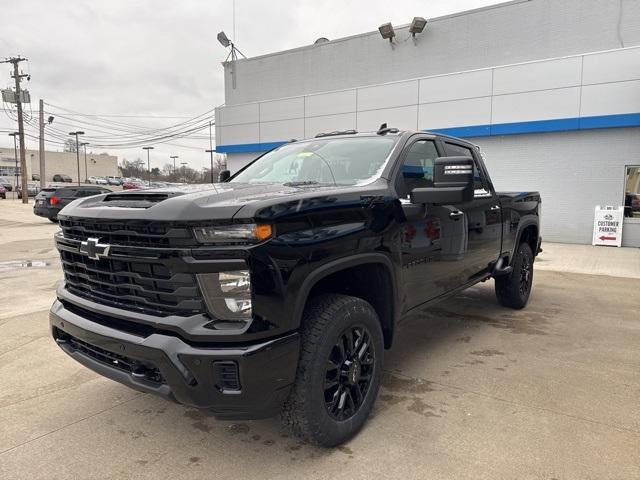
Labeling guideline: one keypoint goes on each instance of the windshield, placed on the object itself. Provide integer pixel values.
(334, 161)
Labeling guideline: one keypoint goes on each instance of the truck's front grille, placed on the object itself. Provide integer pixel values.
(132, 232)
(136, 285)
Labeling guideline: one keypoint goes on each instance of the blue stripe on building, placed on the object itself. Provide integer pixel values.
(515, 128)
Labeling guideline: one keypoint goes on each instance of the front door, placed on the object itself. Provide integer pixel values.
(433, 238)
(484, 235)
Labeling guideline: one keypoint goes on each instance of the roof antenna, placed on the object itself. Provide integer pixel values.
(382, 127)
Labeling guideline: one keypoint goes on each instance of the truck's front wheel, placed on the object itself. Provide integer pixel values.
(339, 370)
(513, 290)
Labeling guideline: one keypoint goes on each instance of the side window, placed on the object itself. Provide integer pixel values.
(453, 150)
(417, 169)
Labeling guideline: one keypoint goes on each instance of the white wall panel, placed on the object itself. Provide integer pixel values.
(282, 109)
(281, 130)
(530, 106)
(611, 98)
(329, 123)
(401, 117)
(237, 114)
(612, 66)
(388, 96)
(457, 113)
(457, 86)
(564, 72)
(233, 134)
(330, 103)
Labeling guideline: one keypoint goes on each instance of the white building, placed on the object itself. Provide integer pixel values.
(549, 89)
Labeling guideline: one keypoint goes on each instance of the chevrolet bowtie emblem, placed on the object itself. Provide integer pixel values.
(93, 249)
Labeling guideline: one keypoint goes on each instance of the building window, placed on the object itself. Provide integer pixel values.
(632, 192)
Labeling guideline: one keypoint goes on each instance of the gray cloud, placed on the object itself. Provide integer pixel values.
(161, 57)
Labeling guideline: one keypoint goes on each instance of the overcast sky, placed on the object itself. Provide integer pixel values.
(161, 57)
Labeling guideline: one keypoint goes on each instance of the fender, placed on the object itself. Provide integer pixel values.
(337, 265)
(533, 220)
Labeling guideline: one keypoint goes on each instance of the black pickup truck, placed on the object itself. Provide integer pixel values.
(279, 289)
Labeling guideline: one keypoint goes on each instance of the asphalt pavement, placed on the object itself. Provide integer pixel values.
(471, 390)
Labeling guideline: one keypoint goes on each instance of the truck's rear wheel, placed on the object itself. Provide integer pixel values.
(513, 290)
(339, 370)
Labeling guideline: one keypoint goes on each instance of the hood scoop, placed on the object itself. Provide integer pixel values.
(137, 199)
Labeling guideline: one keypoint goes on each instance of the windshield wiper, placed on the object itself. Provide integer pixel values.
(297, 184)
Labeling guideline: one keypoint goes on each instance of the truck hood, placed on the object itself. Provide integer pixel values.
(205, 202)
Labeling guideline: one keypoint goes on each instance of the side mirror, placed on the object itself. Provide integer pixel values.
(452, 182)
(224, 176)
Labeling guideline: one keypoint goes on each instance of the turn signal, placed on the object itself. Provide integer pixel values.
(263, 231)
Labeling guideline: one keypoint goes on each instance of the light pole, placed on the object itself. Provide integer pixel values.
(15, 149)
(173, 157)
(148, 162)
(86, 173)
(76, 134)
(211, 152)
(184, 175)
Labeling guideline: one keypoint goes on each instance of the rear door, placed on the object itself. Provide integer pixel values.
(484, 235)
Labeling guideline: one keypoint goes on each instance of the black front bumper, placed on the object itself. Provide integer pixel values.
(238, 382)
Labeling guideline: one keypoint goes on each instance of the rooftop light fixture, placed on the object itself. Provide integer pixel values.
(223, 39)
(417, 25)
(386, 30)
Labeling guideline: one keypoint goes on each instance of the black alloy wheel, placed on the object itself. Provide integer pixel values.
(349, 372)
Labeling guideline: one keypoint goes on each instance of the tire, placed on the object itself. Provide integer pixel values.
(325, 381)
(513, 290)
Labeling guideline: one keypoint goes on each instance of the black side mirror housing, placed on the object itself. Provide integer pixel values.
(452, 182)
(224, 176)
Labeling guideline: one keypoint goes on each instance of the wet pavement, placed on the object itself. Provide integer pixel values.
(471, 390)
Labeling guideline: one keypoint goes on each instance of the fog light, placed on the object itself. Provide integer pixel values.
(227, 294)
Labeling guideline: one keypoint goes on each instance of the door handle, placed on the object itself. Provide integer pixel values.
(456, 214)
(495, 207)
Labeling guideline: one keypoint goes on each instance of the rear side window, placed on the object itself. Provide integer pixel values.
(479, 184)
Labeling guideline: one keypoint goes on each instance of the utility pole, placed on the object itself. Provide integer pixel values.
(77, 151)
(15, 150)
(41, 153)
(148, 162)
(173, 157)
(86, 173)
(211, 150)
(184, 174)
(17, 76)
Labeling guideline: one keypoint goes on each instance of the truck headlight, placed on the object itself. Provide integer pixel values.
(242, 233)
(227, 294)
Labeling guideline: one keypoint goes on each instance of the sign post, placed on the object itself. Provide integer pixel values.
(607, 226)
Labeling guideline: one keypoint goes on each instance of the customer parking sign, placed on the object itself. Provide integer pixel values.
(607, 226)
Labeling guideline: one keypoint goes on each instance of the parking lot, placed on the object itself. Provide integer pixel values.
(471, 389)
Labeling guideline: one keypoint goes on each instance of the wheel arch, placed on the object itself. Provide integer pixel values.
(376, 284)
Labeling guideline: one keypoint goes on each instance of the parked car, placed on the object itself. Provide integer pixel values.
(32, 189)
(51, 200)
(130, 185)
(61, 177)
(3, 192)
(111, 180)
(98, 180)
(35, 177)
(280, 291)
(7, 183)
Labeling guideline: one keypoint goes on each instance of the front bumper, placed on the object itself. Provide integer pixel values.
(190, 374)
